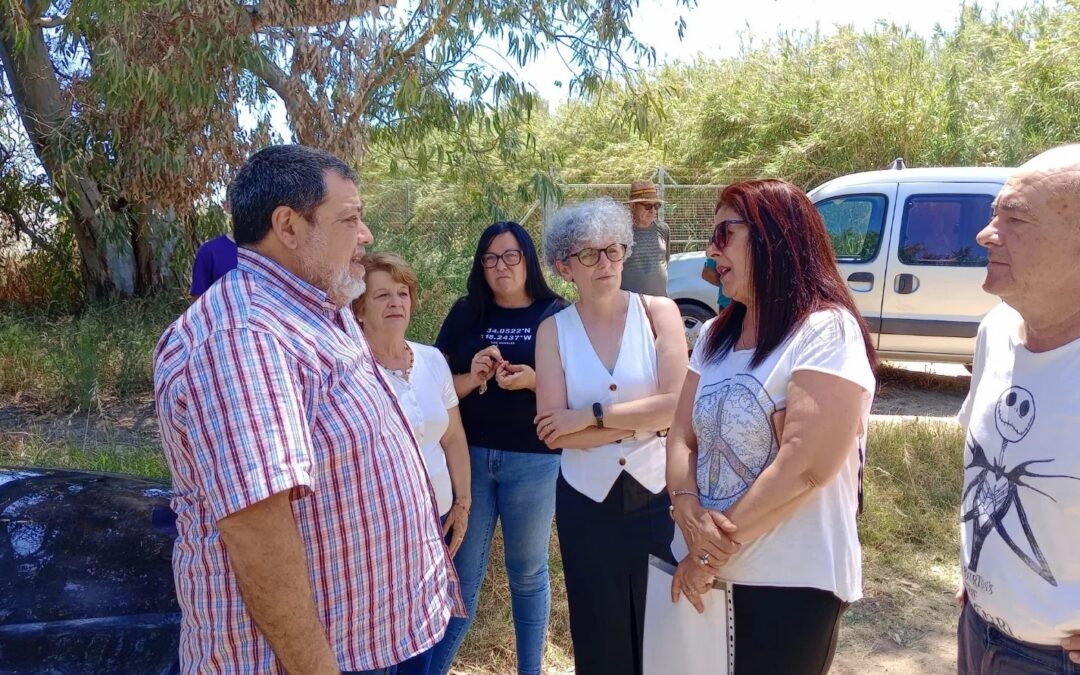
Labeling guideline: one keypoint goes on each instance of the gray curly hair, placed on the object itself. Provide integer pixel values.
(595, 220)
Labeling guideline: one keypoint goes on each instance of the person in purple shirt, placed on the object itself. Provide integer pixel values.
(212, 261)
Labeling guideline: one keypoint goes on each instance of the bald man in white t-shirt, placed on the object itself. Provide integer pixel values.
(1020, 511)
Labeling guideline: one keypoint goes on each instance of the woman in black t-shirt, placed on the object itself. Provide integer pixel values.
(488, 339)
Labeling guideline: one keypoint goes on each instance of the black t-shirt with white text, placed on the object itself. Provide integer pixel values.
(498, 419)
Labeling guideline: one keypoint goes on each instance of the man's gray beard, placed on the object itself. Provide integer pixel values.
(346, 289)
(341, 287)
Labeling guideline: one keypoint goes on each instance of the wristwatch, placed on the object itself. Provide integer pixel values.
(598, 414)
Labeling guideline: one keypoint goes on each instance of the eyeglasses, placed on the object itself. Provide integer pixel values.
(651, 207)
(722, 232)
(511, 257)
(590, 256)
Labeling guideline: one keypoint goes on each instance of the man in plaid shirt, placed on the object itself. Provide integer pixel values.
(308, 536)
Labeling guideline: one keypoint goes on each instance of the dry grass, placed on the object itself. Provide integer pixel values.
(892, 377)
(489, 646)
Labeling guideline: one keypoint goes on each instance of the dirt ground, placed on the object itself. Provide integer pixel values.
(899, 628)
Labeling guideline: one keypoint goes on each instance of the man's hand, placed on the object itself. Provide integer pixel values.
(1071, 644)
(961, 596)
(512, 376)
(267, 556)
(559, 423)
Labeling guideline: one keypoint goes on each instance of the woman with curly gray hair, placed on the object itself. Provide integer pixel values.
(608, 373)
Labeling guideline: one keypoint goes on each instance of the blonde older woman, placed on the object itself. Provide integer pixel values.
(608, 372)
(423, 384)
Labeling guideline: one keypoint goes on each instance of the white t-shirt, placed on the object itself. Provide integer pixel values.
(1020, 513)
(738, 420)
(425, 398)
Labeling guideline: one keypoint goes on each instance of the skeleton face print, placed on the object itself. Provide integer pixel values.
(994, 496)
(1015, 413)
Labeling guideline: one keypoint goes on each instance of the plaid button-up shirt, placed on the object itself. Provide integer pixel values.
(264, 386)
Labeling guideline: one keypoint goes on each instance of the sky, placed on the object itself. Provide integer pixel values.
(715, 27)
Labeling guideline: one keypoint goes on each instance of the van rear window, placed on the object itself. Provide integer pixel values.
(855, 223)
(941, 229)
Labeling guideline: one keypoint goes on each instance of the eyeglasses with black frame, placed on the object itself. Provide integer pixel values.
(511, 257)
(722, 232)
(590, 256)
(650, 206)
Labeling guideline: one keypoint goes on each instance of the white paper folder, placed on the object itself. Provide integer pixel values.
(678, 639)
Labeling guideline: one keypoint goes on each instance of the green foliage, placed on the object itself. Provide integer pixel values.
(80, 362)
(914, 478)
(993, 90)
(145, 460)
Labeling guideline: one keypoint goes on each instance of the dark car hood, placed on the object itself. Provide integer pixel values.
(81, 545)
(85, 574)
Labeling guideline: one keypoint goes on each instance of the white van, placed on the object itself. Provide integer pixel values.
(905, 244)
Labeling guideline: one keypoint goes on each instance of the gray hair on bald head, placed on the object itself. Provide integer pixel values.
(603, 221)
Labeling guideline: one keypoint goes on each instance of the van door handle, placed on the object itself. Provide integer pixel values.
(861, 282)
(905, 283)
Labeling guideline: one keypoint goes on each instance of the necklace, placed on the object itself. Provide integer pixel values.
(403, 373)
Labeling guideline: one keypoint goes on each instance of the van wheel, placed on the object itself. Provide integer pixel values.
(693, 316)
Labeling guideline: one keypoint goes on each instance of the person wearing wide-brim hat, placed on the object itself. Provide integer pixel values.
(646, 268)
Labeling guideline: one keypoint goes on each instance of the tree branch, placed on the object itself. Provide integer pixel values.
(22, 227)
(394, 64)
(298, 101)
(292, 94)
(270, 14)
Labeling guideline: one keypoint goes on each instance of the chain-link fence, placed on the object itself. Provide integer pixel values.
(687, 209)
(447, 218)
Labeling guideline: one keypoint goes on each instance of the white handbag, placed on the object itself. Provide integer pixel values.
(679, 640)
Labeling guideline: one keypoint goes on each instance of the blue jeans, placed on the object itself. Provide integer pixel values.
(519, 489)
(982, 649)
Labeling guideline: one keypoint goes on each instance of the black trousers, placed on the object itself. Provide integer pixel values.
(785, 630)
(605, 553)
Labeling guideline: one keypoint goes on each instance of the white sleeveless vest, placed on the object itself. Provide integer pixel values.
(593, 471)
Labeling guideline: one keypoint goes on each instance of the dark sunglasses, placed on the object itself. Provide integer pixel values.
(722, 232)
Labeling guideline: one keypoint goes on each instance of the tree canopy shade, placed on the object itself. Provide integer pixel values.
(139, 111)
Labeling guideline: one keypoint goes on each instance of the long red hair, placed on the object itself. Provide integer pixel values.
(793, 268)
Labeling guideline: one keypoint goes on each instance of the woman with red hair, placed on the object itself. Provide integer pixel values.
(766, 451)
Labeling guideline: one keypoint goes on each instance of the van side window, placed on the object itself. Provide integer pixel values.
(941, 229)
(855, 223)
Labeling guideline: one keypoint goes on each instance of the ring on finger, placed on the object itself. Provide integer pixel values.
(704, 558)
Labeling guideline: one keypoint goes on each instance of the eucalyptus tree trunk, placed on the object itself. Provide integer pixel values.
(107, 264)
